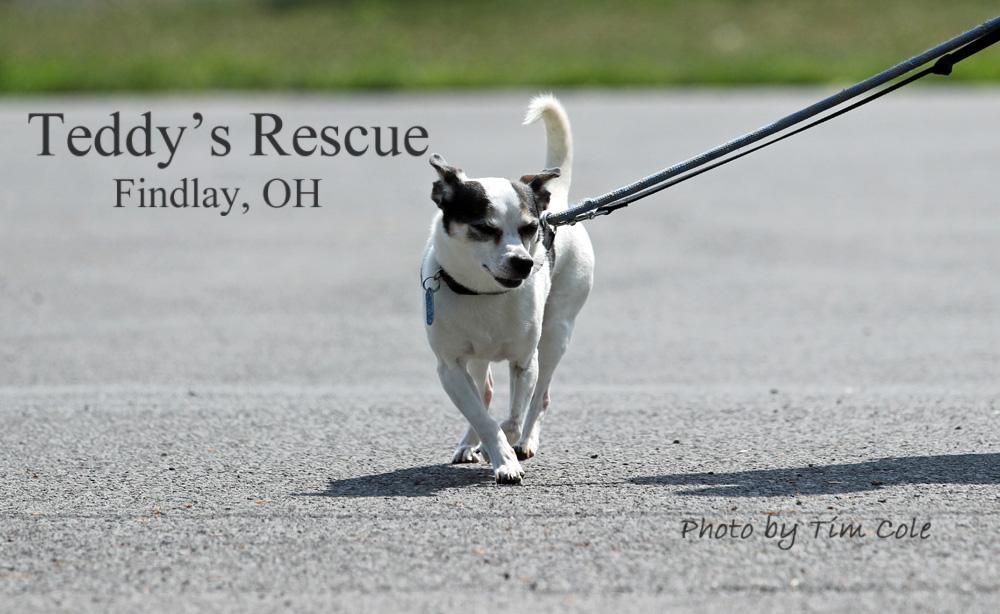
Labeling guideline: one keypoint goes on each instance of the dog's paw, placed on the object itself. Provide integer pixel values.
(524, 451)
(528, 446)
(512, 430)
(510, 473)
(466, 454)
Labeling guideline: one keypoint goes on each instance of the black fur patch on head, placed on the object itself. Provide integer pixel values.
(459, 199)
(465, 203)
(534, 200)
(530, 203)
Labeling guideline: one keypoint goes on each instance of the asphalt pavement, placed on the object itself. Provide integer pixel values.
(783, 392)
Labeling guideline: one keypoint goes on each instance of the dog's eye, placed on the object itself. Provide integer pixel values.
(486, 229)
(528, 230)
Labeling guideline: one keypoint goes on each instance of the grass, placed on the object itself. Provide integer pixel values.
(136, 45)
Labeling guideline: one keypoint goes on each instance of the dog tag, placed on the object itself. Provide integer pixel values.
(429, 306)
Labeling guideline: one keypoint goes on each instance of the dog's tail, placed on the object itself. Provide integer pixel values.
(559, 144)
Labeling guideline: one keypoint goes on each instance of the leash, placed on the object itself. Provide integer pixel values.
(947, 54)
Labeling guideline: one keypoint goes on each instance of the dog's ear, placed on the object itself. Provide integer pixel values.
(537, 184)
(450, 178)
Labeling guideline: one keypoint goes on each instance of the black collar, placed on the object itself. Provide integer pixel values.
(458, 288)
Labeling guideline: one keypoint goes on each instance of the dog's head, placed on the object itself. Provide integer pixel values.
(492, 223)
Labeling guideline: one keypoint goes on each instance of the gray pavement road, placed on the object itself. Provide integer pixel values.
(240, 413)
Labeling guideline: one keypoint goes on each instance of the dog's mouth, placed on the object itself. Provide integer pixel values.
(508, 283)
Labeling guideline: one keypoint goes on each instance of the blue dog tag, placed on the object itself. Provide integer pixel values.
(429, 306)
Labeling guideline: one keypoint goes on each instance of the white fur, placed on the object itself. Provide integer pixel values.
(529, 326)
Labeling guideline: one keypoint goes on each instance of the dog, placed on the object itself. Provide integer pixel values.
(500, 286)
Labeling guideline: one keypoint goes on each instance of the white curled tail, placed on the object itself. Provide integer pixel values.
(558, 140)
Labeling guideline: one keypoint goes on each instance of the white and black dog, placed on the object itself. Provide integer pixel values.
(499, 287)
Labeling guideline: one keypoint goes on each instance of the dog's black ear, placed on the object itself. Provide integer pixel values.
(537, 185)
(536, 182)
(450, 178)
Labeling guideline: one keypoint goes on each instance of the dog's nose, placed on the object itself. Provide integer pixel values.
(521, 265)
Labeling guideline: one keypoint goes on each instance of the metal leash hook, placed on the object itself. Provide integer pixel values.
(587, 215)
(947, 55)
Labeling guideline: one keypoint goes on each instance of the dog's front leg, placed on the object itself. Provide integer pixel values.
(468, 448)
(523, 377)
(462, 391)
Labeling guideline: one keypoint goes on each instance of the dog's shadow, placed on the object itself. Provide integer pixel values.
(424, 481)
(837, 479)
(429, 480)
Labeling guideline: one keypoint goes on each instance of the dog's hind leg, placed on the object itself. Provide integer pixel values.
(467, 450)
(462, 391)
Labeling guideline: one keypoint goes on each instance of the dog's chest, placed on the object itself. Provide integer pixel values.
(486, 327)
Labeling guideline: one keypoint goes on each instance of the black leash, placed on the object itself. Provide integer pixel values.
(947, 54)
